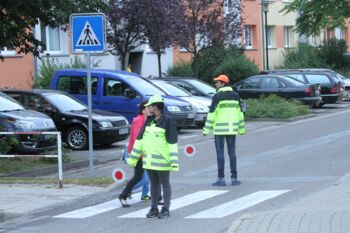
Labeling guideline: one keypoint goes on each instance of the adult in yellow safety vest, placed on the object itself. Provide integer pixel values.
(226, 120)
(157, 141)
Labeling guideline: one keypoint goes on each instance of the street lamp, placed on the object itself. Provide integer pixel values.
(265, 9)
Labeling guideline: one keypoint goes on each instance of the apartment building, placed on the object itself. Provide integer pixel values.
(18, 70)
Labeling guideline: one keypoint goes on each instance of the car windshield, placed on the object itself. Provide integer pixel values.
(172, 89)
(8, 105)
(144, 86)
(294, 81)
(65, 103)
(202, 86)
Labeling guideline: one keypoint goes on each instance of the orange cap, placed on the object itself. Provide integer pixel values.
(222, 78)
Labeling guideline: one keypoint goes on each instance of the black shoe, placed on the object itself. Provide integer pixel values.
(123, 202)
(164, 213)
(153, 212)
(160, 201)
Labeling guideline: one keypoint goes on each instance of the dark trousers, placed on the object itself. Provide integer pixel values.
(231, 148)
(160, 178)
(134, 180)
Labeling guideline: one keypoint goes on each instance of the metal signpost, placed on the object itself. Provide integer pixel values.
(88, 34)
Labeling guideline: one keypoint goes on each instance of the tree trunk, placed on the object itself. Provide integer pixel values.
(159, 54)
(122, 61)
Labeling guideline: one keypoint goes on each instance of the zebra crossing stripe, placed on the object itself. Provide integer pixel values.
(179, 202)
(238, 204)
(96, 209)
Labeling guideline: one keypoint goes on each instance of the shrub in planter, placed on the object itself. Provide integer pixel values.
(273, 106)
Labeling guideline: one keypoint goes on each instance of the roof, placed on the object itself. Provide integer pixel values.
(97, 71)
(38, 91)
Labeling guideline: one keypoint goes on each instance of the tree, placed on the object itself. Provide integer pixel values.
(17, 19)
(314, 15)
(125, 30)
(162, 24)
(208, 24)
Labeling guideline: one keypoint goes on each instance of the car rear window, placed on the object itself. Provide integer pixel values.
(317, 79)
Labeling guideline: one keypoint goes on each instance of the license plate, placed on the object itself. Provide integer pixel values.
(317, 92)
(191, 115)
(123, 131)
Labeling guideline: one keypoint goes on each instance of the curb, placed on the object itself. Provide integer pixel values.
(281, 119)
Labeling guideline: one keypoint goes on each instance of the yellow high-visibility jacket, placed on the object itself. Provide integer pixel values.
(225, 115)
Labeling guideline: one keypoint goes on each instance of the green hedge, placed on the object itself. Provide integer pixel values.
(182, 69)
(273, 106)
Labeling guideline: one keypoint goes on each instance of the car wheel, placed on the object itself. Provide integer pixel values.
(77, 138)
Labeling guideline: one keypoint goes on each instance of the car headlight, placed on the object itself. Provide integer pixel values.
(25, 124)
(106, 124)
(173, 109)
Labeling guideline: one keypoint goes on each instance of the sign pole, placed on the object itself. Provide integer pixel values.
(91, 155)
(89, 37)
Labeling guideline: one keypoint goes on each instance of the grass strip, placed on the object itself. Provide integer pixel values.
(103, 181)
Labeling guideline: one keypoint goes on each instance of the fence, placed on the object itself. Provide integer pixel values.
(59, 151)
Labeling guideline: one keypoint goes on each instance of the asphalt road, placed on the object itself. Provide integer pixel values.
(278, 163)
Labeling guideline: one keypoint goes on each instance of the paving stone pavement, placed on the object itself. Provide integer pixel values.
(326, 211)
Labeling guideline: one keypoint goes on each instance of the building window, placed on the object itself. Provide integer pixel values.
(51, 38)
(339, 33)
(4, 51)
(269, 36)
(287, 36)
(248, 36)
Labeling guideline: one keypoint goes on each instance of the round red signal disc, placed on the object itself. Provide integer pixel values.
(190, 150)
(118, 175)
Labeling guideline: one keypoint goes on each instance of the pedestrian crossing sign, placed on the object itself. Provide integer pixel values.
(88, 33)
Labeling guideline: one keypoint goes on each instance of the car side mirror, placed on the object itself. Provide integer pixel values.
(130, 93)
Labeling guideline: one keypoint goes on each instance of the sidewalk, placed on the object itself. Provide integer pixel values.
(327, 211)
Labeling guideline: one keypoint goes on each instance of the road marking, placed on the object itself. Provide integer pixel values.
(179, 202)
(238, 204)
(190, 136)
(96, 209)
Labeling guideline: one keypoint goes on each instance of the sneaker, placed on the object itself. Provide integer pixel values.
(145, 198)
(123, 202)
(164, 213)
(160, 201)
(235, 182)
(219, 182)
(153, 212)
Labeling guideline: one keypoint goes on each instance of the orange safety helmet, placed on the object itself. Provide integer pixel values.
(222, 78)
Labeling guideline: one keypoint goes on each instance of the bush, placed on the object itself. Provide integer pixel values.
(303, 56)
(237, 67)
(332, 54)
(273, 106)
(182, 69)
(49, 66)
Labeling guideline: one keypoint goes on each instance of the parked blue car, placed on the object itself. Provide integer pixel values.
(120, 92)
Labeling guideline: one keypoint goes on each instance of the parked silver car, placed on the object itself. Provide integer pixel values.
(199, 104)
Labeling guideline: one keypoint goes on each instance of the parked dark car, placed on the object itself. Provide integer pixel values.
(285, 87)
(15, 118)
(332, 87)
(195, 86)
(71, 117)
